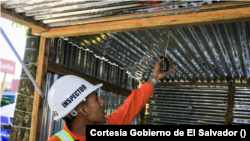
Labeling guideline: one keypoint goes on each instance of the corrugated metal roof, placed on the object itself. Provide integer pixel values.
(55, 13)
(205, 53)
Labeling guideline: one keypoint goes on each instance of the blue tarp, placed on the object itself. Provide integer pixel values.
(7, 113)
(5, 120)
(5, 134)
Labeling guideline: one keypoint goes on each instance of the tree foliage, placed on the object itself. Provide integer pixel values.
(20, 26)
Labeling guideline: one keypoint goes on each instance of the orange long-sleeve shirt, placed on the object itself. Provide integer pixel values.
(125, 114)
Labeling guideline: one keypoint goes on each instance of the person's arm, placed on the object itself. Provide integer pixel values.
(134, 103)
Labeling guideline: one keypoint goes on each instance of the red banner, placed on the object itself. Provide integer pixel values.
(15, 85)
(7, 66)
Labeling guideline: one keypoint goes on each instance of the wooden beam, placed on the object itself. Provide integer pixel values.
(36, 119)
(201, 84)
(202, 18)
(34, 25)
(230, 104)
(63, 70)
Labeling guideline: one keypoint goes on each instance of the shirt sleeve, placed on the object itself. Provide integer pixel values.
(134, 103)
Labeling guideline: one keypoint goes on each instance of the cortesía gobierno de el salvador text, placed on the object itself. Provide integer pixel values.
(187, 132)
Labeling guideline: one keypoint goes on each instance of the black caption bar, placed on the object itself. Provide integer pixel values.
(166, 131)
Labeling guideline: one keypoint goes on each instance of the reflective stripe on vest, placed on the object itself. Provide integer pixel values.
(64, 136)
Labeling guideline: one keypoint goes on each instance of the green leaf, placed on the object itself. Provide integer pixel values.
(20, 26)
(26, 32)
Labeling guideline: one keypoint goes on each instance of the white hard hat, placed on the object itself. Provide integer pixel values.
(67, 92)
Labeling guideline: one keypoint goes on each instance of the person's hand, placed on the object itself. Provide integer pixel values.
(158, 73)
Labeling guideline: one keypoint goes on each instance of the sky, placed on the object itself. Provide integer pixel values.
(17, 37)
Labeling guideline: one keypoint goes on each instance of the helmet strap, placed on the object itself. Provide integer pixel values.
(73, 113)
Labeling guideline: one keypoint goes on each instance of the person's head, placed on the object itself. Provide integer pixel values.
(72, 97)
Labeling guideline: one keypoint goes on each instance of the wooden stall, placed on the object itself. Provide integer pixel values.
(185, 16)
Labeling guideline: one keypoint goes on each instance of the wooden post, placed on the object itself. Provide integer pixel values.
(36, 119)
(230, 104)
(2, 86)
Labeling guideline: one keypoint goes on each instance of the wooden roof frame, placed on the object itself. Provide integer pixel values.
(202, 18)
(191, 19)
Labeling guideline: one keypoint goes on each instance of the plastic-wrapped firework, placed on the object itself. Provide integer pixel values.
(109, 72)
(129, 82)
(118, 76)
(68, 54)
(105, 70)
(51, 49)
(58, 50)
(89, 61)
(109, 103)
(121, 77)
(101, 68)
(54, 49)
(105, 98)
(85, 60)
(112, 73)
(63, 51)
(118, 101)
(75, 56)
(133, 83)
(94, 63)
(78, 53)
(136, 83)
(115, 101)
(71, 64)
(125, 79)
(81, 60)
(93, 66)
(96, 67)
(115, 74)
